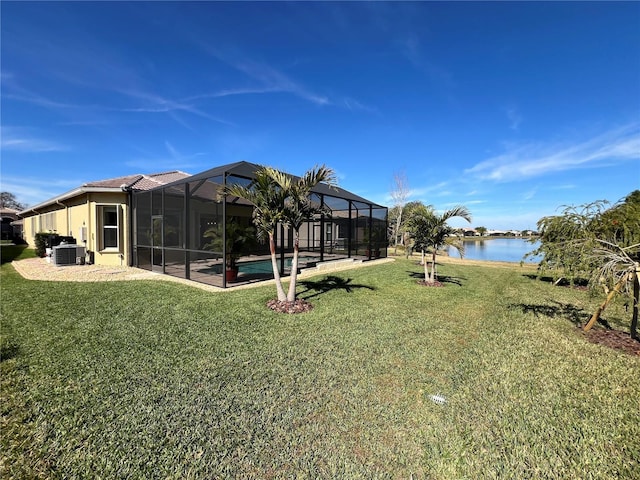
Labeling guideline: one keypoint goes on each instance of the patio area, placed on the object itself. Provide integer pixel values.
(41, 270)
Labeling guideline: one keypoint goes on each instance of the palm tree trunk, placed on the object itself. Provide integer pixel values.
(636, 299)
(612, 293)
(426, 272)
(276, 272)
(293, 278)
(433, 266)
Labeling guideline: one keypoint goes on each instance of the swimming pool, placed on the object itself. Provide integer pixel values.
(261, 267)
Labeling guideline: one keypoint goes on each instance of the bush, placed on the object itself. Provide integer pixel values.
(43, 241)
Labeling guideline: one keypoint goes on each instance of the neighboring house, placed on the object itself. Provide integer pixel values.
(96, 214)
(10, 224)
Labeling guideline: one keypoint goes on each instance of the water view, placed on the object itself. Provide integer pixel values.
(497, 249)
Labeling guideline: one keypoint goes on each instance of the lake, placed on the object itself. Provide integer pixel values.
(496, 249)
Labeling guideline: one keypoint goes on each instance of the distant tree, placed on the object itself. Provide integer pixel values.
(415, 207)
(9, 200)
(399, 195)
(393, 214)
(481, 230)
(430, 231)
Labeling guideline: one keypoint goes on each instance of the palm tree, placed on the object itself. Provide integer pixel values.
(268, 201)
(237, 239)
(618, 265)
(280, 199)
(299, 208)
(416, 226)
(431, 231)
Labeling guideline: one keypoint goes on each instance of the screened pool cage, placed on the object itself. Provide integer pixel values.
(186, 229)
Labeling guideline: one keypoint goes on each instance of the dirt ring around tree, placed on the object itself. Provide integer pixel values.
(613, 339)
(297, 306)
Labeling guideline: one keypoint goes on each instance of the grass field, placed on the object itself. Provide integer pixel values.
(161, 380)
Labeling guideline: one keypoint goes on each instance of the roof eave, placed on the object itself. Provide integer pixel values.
(70, 194)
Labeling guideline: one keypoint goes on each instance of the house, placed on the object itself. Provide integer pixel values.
(95, 214)
(10, 224)
(182, 229)
(177, 224)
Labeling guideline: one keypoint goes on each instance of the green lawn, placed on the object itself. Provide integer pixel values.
(161, 380)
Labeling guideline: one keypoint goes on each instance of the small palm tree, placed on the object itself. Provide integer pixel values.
(268, 200)
(299, 208)
(620, 267)
(280, 199)
(239, 238)
(431, 231)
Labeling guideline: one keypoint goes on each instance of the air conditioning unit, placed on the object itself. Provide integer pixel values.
(67, 254)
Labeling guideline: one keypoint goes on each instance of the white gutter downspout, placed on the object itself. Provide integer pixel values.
(90, 238)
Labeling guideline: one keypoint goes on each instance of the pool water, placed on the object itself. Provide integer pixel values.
(264, 266)
(260, 267)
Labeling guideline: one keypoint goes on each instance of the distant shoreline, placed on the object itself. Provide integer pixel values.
(444, 258)
(494, 237)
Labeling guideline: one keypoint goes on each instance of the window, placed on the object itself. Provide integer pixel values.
(48, 222)
(109, 227)
(328, 233)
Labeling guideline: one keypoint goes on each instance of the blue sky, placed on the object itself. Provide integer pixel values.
(512, 109)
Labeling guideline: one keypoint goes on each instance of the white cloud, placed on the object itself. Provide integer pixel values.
(31, 191)
(17, 140)
(271, 80)
(514, 117)
(157, 104)
(268, 79)
(170, 159)
(528, 195)
(530, 160)
(437, 189)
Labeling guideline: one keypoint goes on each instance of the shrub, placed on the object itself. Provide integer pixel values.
(43, 241)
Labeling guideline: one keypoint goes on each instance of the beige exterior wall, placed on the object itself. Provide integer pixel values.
(80, 217)
(108, 256)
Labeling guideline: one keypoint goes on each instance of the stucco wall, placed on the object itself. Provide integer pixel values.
(79, 217)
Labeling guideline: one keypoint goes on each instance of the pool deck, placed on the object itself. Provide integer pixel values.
(41, 270)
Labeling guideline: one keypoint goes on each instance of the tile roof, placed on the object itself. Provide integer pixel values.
(131, 182)
(139, 181)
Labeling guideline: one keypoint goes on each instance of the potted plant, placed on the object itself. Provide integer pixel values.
(373, 243)
(239, 239)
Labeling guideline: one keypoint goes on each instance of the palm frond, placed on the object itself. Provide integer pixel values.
(458, 211)
(318, 174)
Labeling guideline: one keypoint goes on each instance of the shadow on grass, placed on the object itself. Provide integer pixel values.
(440, 278)
(8, 253)
(330, 282)
(575, 315)
(577, 282)
(8, 351)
